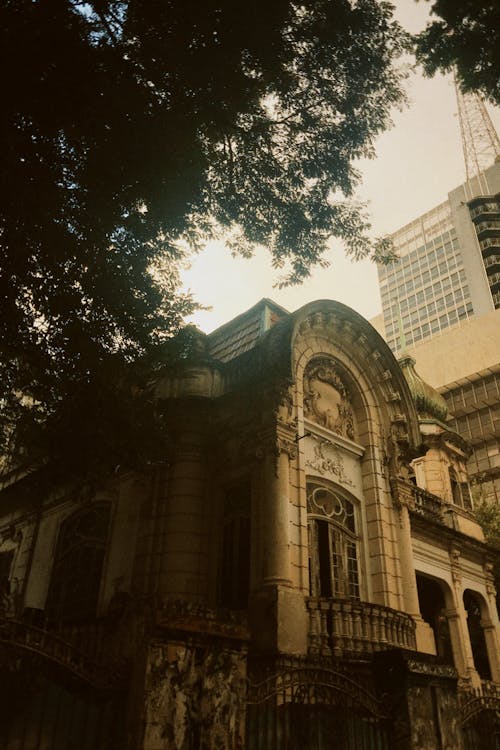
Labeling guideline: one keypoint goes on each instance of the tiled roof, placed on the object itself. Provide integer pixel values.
(242, 333)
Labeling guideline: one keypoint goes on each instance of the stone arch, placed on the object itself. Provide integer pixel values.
(478, 616)
(384, 415)
(287, 347)
(435, 599)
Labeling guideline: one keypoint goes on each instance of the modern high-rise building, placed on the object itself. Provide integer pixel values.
(441, 298)
(448, 268)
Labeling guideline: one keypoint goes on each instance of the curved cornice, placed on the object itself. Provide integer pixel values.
(366, 346)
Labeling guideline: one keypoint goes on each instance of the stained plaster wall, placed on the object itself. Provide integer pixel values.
(194, 697)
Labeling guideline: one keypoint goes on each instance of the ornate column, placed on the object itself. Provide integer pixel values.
(278, 615)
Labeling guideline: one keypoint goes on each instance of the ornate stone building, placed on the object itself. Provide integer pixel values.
(304, 571)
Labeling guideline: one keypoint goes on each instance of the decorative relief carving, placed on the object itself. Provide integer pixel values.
(326, 399)
(272, 444)
(434, 670)
(285, 411)
(489, 569)
(286, 446)
(329, 465)
(456, 573)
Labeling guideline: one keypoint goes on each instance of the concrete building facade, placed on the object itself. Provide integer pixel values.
(449, 264)
(463, 363)
(304, 570)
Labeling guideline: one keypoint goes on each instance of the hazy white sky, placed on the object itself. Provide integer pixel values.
(418, 161)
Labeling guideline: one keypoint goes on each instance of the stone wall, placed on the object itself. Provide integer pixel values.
(195, 697)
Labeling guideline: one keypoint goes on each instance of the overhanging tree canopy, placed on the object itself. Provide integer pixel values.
(132, 130)
(464, 36)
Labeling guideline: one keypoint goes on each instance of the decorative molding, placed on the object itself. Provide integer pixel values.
(334, 439)
(329, 464)
(434, 670)
(283, 445)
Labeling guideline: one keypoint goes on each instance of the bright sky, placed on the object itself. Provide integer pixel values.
(418, 162)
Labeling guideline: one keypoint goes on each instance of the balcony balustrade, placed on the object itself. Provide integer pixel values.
(486, 209)
(343, 628)
(428, 505)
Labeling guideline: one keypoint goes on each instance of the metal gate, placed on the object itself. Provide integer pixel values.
(310, 708)
(480, 714)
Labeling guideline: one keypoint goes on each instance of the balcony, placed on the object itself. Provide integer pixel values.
(487, 210)
(492, 261)
(427, 505)
(345, 628)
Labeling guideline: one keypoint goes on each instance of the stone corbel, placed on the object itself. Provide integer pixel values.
(274, 444)
(402, 494)
(285, 445)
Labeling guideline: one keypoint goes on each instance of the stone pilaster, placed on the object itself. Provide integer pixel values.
(459, 631)
(423, 633)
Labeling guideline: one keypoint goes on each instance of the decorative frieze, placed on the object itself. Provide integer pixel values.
(329, 465)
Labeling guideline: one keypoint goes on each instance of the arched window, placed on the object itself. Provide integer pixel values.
(333, 544)
(77, 569)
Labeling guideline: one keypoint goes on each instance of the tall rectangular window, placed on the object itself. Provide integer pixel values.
(234, 568)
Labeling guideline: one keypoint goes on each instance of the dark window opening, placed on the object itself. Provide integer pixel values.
(433, 608)
(325, 579)
(78, 562)
(5, 567)
(460, 491)
(234, 574)
(333, 545)
(472, 604)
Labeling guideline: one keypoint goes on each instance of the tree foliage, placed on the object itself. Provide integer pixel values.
(464, 37)
(488, 514)
(134, 130)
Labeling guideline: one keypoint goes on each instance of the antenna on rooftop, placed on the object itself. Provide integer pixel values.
(480, 141)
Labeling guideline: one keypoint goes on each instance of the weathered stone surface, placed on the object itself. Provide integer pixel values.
(194, 698)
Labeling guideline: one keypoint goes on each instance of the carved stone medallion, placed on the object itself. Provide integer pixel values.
(326, 399)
